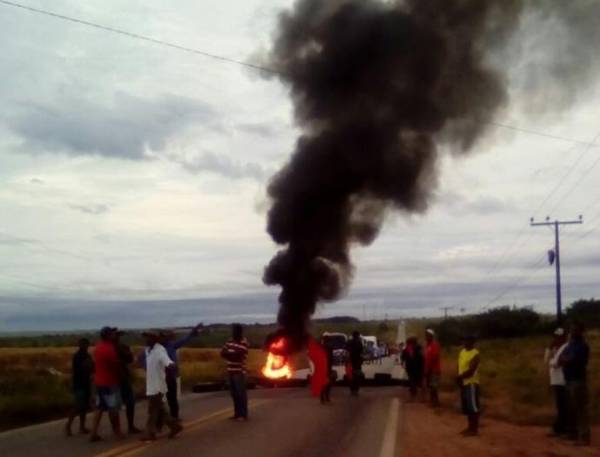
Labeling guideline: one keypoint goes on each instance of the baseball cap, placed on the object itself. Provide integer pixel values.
(430, 331)
(559, 331)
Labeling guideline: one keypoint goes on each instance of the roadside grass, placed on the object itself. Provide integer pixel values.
(514, 379)
(35, 382)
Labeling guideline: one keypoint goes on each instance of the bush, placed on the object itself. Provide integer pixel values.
(586, 312)
(496, 323)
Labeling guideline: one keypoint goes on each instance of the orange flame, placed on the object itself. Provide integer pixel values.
(277, 366)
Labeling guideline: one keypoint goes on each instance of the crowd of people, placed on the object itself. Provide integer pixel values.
(108, 374)
(567, 358)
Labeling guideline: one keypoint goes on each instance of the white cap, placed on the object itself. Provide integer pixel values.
(430, 331)
(559, 331)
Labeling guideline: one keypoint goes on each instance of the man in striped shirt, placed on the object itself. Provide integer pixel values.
(235, 352)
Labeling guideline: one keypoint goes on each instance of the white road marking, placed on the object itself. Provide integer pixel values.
(388, 446)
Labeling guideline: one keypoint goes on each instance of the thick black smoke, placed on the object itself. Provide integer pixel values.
(377, 87)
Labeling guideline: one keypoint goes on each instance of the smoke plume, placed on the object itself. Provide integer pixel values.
(377, 87)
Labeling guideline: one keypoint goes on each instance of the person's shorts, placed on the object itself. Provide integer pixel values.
(108, 398)
(82, 399)
(433, 381)
(470, 399)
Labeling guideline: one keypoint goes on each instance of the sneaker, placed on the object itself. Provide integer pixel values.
(134, 431)
(148, 438)
(95, 438)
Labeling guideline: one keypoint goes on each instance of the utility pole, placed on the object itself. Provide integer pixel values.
(556, 224)
(446, 309)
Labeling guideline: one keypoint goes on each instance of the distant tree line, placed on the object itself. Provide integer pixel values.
(512, 322)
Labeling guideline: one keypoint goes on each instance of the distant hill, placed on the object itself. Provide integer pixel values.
(337, 320)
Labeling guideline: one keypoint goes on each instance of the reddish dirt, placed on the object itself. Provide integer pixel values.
(429, 433)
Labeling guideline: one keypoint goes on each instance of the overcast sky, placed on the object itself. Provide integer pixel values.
(132, 182)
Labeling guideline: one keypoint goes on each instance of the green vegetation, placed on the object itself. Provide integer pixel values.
(214, 336)
(514, 378)
(35, 371)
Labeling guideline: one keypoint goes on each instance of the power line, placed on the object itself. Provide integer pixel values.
(562, 179)
(574, 164)
(585, 174)
(139, 37)
(537, 266)
(221, 58)
(541, 134)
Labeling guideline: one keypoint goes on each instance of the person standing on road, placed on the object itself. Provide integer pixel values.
(557, 380)
(468, 381)
(412, 360)
(235, 352)
(82, 371)
(326, 390)
(106, 379)
(157, 364)
(125, 381)
(167, 339)
(355, 351)
(433, 367)
(574, 360)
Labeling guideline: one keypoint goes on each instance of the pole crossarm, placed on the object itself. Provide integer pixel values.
(578, 221)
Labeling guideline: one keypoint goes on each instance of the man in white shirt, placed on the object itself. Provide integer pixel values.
(157, 362)
(557, 380)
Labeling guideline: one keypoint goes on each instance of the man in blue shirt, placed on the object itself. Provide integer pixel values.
(167, 339)
(574, 361)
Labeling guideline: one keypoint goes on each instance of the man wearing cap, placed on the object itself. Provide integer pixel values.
(157, 363)
(167, 339)
(557, 380)
(106, 379)
(433, 367)
(125, 381)
(468, 381)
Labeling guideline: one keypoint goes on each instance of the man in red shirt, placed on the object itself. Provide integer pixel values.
(433, 366)
(106, 379)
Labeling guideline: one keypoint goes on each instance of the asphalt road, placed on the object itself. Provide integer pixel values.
(283, 423)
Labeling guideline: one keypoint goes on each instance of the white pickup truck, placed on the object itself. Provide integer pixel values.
(374, 368)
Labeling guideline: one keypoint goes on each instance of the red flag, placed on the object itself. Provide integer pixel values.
(318, 356)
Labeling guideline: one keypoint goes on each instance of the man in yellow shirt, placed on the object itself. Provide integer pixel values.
(468, 380)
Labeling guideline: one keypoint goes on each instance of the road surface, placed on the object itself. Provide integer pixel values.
(283, 423)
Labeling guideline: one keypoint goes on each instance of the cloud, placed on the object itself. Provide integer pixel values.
(10, 240)
(265, 131)
(91, 209)
(128, 127)
(459, 203)
(36, 181)
(222, 165)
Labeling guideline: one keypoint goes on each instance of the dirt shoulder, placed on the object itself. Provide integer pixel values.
(428, 433)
